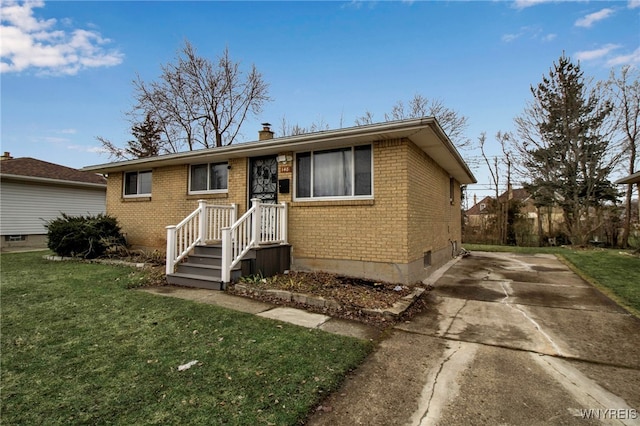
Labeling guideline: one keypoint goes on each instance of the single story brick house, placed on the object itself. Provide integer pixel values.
(379, 201)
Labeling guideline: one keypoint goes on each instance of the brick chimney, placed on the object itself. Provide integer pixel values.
(6, 156)
(265, 133)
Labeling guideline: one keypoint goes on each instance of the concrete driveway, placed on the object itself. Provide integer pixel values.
(508, 339)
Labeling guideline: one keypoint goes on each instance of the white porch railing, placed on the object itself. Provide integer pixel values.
(204, 224)
(261, 224)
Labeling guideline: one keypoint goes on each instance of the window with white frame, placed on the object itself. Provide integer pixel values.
(335, 173)
(210, 177)
(137, 184)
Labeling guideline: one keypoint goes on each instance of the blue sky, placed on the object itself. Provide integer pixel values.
(67, 67)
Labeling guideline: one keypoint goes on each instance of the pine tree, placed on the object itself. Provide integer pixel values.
(565, 148)
(148, 137)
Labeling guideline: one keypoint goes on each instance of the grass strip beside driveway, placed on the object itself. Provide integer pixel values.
(78, 347)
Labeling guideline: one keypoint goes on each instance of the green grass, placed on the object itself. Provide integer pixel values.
(615, 272)
(78, 347)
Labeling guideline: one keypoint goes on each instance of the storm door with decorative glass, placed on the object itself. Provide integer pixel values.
(263, 179)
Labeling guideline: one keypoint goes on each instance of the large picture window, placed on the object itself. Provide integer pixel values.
(211, 177)
(336, 173)
(137, 183)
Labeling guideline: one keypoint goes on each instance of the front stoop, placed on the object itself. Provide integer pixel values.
(202, 269)
(393, 312)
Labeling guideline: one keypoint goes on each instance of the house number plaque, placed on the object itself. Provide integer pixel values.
(285, 169)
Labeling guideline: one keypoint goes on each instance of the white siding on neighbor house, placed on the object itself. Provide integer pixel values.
(26, 207)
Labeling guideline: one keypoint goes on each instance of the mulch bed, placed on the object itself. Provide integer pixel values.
(354, 295)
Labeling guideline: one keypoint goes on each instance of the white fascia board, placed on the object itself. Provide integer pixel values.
(425, 132)
(50, 181)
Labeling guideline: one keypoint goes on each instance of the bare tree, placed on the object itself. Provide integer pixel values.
(502, 205)
(624, 92)
(365, 119)
(288, 129)
(197, 103)
(451, 121)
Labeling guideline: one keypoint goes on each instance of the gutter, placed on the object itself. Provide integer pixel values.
(53, 181)
(373, 132)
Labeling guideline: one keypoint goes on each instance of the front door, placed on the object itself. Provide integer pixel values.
(263, 179)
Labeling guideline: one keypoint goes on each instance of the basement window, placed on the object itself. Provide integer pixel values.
(427, 259)
(13, 238)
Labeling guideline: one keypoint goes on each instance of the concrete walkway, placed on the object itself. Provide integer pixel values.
(509, 339)
(291, 315)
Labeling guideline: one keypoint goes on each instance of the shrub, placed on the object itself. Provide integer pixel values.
(83, 236)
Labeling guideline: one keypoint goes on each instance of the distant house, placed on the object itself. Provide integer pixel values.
(532, 221)
(33, 192)
(380, 201)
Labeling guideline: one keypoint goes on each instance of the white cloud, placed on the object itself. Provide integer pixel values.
(522, 4)
(592, 18)
(630, 59)
(633, 4)
(530, 32)
(508, 38)
(30, 42)
(589, 55)
(53, 139)
(90, 149)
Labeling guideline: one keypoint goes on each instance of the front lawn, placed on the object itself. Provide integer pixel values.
(615, 272)
(78, 347)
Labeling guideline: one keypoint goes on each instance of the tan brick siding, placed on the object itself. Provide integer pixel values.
(358, 230)
(144, 219)
(410, 212)
(434, 222)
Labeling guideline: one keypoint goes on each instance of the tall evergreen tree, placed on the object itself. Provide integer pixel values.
(148, 139)
(564, 147)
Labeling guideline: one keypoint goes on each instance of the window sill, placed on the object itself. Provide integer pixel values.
(208, 196)
(333, 203)
(136, 199)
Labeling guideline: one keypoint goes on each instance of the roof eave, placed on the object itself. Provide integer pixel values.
(631, 179)
(421, 131)
(50, 181)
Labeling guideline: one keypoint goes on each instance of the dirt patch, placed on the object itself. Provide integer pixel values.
(354, 297)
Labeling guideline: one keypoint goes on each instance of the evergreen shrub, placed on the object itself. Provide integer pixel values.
(83, 236)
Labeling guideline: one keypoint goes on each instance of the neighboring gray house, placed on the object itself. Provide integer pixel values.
(33, 192)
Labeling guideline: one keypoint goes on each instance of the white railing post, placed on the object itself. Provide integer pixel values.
(256, 220)
(234, 214)
(283, 224)
(226, 255)
(203, 222)
(171, 248)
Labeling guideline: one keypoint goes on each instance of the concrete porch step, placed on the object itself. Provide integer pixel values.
(205, 269)
(197, 281)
